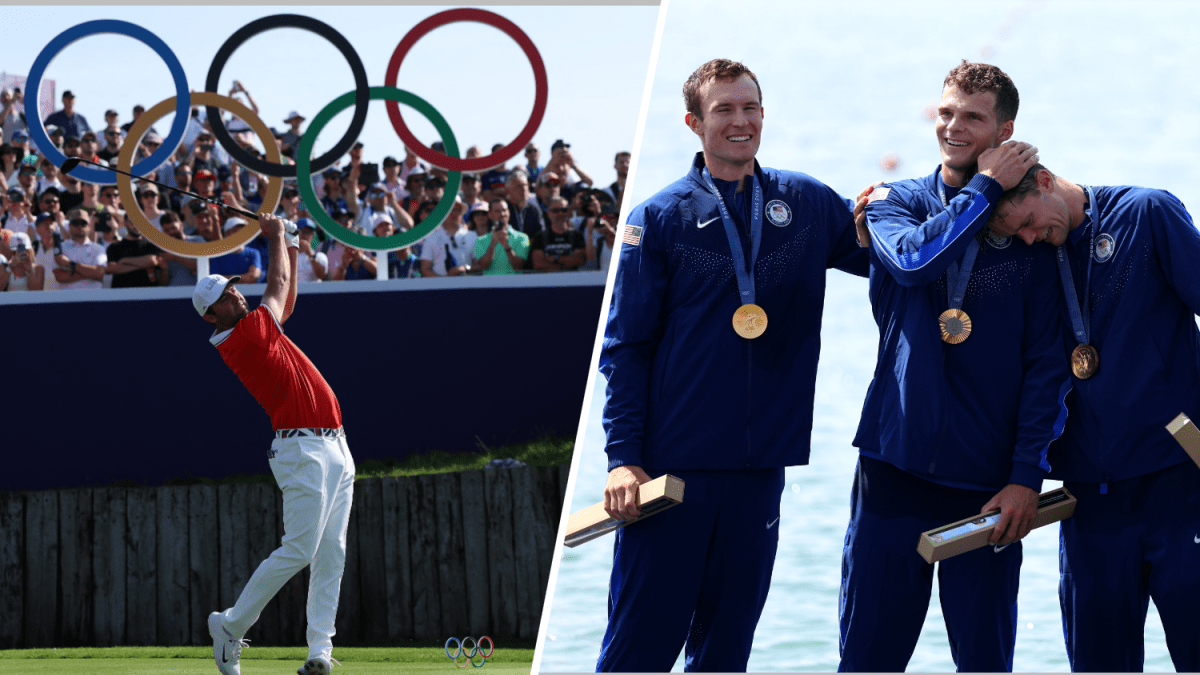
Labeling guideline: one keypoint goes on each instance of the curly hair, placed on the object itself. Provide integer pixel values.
(717, 69)
(983, 77)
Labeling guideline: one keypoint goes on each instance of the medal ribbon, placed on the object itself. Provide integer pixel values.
(745, 278)
(956, 279)
(1080, 316)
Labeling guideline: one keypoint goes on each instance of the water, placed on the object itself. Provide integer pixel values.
(1108, 99)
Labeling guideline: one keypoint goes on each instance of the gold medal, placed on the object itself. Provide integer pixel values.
(955, 325)
(749, 321)
(1085, 361)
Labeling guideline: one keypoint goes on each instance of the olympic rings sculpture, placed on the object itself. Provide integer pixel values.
(469, 656)
(305, 165)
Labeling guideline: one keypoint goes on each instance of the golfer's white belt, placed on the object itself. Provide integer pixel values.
(293, 433)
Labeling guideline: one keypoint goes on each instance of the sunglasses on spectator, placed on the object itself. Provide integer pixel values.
(108, 195)
(49, 200)
(112, 133)
(79, 223)
(559, 210)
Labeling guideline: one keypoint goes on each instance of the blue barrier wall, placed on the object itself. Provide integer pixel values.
(123, 384)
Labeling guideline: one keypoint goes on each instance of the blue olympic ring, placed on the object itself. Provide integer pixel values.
(183, 97)
(476, 649)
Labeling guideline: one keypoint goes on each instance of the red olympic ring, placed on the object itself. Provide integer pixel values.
(469, 655)
(502, 155)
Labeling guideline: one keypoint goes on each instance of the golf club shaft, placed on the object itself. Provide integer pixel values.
(210, 200)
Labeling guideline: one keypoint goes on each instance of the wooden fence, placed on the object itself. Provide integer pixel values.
(427, 557)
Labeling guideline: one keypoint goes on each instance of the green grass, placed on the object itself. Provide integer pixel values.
(546, 451)
(255, 660)
(208, 667)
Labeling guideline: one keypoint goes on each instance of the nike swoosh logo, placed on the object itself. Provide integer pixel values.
(772, 523)
(705, 223)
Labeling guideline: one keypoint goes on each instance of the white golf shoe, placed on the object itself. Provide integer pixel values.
(226, 650)
(317, 665)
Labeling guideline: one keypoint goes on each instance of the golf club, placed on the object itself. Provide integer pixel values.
(72, 162)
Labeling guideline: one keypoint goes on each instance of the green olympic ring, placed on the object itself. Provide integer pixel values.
(335, 229)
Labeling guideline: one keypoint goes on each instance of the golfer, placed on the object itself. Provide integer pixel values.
(309, 456)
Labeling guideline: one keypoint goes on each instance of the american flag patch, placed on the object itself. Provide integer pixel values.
(632, 235)
(878, 193)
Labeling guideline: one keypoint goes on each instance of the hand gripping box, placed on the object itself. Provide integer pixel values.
(971, 533)
(1184, 430)
(653, 496)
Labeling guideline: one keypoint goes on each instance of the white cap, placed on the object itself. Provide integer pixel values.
(19, 238)
(232, 222)
(292, 115)
(209, 290)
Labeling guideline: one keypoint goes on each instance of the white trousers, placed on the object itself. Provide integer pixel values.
(316, 474)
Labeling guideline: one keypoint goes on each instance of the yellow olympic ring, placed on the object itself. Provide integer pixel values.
(165, 241)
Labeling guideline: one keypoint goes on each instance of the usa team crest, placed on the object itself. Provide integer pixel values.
(1106, 246)
(778, 213)
(997, 241)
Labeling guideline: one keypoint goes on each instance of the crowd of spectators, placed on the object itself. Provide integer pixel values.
(60, 232)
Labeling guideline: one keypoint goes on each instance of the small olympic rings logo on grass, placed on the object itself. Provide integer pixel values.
(306, 166)
(468, 655)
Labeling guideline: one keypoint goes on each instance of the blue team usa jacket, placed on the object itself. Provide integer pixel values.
(1145, 294)
(979, 414)
(684, 390)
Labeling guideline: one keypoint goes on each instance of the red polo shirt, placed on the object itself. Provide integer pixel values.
(279, 376)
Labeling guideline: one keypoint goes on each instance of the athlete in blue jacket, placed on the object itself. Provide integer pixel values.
(967, 394)
(691, 396)
(1130, 263)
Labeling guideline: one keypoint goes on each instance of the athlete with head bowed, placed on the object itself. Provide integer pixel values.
(309, 456)
(1127, 258)
(702, 385)
(966, 398)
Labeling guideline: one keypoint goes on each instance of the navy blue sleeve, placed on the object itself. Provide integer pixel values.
(630, 337)
(1176, 245)
(917, 251)
(1042, 411)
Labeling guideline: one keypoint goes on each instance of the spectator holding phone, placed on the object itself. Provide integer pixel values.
(22, 273)
(47, 243)
(503, 250)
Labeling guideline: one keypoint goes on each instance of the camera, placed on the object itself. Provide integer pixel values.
(104, 222)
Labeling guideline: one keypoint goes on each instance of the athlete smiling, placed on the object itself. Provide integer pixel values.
(966, 397)
(697, 388)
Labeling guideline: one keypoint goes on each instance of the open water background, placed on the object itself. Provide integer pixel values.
(1109, 96)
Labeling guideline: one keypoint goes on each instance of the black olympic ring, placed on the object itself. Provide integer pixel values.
(469, 655)
(362, 92)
